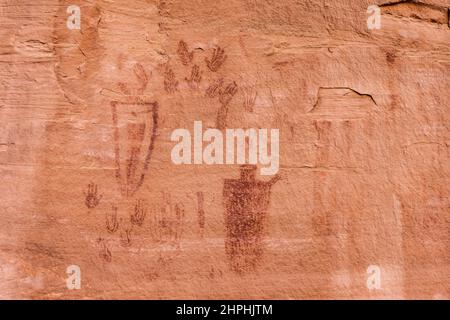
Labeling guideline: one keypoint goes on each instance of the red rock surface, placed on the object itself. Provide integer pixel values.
(364, 149)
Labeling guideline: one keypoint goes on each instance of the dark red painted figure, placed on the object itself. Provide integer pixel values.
(246, 203)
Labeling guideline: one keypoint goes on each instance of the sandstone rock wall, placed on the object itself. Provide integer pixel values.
(87, 178)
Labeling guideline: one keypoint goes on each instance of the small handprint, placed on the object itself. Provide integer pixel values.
(170, 82)
(139, 213)
(125, 237)
(249, 99)
(218, 58)
(196, 77)
(104, 253)
(124, 88)
(140, 73)
(92, 198)
(214, 273)
(214, 89)
(226, 95)
(112, 224)
(184, 54)
(142, 78)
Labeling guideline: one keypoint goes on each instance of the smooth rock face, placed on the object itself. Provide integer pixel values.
(359, 207)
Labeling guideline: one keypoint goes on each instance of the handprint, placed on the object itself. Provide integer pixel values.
(217, 59)
(125, 237)
(111, 221)
(214, 89)
(225, 98)
(226, 95)
(170, 83)
(139, 214)
(92, 198)
(196, 76)
(142, 78)
(250, 99)
(105, 254)
(184, 54)
(124, 88)
(140, 73)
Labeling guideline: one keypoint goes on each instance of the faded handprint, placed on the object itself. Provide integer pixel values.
(142, 78)
(214, 273)
(195, 78)
(112, 224)
(167, 223)
(170, 82)
(140, 73)
(104, 253)
(184, 54)
(218, 58)
(137, 218)
(225, 97)
(125, 237)
(249, 99)
(214, 89)
(92, 198)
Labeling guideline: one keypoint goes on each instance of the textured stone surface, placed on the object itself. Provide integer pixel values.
(364, 149)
